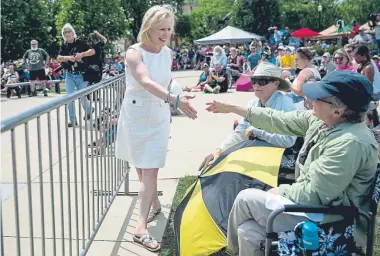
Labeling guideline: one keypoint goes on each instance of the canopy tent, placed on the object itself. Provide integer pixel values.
(228, 35)
(346, 29)
(304, 32)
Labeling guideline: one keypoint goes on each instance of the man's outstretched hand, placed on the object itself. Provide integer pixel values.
(217, 107)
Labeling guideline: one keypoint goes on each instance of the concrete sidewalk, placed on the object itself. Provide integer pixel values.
(191, 141)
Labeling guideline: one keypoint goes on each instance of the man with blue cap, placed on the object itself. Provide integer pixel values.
(336, 165)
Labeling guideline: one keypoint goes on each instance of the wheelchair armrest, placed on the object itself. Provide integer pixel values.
(347, 211)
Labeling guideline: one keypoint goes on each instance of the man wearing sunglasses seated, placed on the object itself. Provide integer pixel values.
(266, 82)
(336, 165)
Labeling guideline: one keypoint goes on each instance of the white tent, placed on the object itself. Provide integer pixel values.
(228, 35)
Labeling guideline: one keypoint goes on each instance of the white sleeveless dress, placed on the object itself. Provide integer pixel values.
(144, 121)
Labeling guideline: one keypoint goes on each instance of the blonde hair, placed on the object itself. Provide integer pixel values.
(155, 15)
(344, 53)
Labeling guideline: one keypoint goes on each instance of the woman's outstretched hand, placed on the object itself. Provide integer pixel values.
(185, 106)
(217, 107)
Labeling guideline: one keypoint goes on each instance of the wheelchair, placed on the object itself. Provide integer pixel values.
(336, 238)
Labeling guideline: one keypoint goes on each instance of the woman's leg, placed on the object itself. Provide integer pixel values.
(139, 173)
(156, 202)
(208, 88)
(147, 191)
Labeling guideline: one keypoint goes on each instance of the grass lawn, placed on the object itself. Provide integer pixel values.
(168, 240)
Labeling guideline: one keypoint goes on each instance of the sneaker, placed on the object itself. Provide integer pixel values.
(88, 116)
(72, 123)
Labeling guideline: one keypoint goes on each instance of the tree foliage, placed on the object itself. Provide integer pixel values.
(106, 16)
(134, 11)
(296, 13)
(205, 19)
(257, 15)
(21, 22)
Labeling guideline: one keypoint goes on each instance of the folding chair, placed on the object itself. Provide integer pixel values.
(281, 244)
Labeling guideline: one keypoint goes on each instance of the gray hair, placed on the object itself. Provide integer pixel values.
(351, 116)
(68, 26)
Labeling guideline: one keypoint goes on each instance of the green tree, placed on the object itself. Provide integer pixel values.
(256, 16)
(205, 19)
(183, 25)
(106, 16)
(22, 21)
(135, 9)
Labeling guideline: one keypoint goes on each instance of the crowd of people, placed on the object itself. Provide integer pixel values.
(37, 69)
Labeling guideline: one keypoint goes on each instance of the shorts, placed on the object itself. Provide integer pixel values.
(37, 73)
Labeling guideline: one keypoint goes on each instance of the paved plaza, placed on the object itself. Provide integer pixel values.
(190, 142)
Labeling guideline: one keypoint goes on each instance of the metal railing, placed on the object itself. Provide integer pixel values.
(55, 195)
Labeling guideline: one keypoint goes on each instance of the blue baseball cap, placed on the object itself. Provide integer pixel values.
(352, 88)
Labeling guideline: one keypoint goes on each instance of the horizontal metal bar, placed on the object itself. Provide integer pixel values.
(16, 120)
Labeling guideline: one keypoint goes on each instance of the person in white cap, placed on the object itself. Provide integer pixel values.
(327, 65)
(267, 83)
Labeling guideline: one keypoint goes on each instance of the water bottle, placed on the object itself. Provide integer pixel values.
(236, 122)
(310, 237)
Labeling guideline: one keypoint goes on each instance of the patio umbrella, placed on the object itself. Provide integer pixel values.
(304, 32)
(201, 219)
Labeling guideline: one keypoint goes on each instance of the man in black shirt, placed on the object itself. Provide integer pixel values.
(219, 82)
(71, 55)
(95, 62)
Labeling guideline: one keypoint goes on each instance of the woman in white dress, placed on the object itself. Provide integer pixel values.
(144, 123)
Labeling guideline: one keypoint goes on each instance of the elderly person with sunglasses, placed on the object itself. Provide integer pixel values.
(336, 165)
(266, 82)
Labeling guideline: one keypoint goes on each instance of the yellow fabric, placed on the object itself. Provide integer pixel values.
(261, 163)
(199, 235)
(287, 61)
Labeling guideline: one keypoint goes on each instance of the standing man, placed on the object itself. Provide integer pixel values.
(70, 55)
(362, 38)
(95, 62)
(36, 59)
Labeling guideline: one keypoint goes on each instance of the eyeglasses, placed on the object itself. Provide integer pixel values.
(338, 58)
(33, 44)
(67, 31)
(348, 51)
(262, 81)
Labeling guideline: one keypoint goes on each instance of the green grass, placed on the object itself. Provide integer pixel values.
(168, 241)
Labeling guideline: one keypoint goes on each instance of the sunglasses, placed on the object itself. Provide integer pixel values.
(338, 58)
(348, 51)
(325, 101)
(262, 81)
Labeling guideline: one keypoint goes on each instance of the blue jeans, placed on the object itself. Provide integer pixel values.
(76, 81)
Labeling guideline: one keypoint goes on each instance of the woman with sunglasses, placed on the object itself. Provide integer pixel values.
(343, 60)
(304, 61)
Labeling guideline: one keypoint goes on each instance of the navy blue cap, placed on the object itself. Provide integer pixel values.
(352, 88)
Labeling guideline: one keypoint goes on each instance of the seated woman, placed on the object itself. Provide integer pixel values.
(287, 61)
(266, 82)
(219, 81)
(304, 61)
(235, 64)
(343, 60)
(204, 79)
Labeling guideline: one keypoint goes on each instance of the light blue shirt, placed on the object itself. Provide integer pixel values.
(221, 59)
(277, 101)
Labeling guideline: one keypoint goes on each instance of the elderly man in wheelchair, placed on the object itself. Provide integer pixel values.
(335, 174)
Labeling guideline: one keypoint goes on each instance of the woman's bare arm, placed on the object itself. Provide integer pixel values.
(304, 75)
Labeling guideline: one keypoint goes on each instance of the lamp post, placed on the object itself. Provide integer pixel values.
(319, 15)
